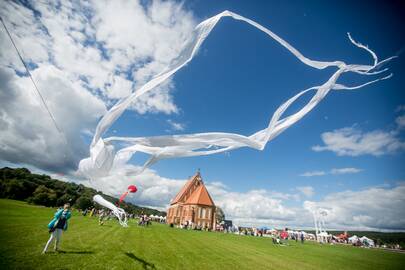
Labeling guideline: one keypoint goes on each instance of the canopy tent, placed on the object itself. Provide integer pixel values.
(311, 236)
(367, 241)
(353, 239)
(342, 236)
(323, 234)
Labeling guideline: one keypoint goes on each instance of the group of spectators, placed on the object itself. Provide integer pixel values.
(144, 220)
(104, 215)
(282, 237)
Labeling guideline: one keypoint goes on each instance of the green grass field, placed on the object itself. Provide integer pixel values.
(86, 245)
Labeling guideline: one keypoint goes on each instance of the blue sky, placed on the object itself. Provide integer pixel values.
(235, 83)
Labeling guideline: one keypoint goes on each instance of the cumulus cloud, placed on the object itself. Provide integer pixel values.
(345, 170)
(400, 121)
(27, 132)
(308, 191)
(254, 204)
(313, 173)
(351, 141)
(254, 207)
(349, 170)
(84, 56)
(176, 126)
(374, 208)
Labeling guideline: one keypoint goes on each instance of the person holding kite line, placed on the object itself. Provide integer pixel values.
(57, 224)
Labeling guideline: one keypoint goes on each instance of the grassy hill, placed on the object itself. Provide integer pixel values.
(87, 245)
(41, 189)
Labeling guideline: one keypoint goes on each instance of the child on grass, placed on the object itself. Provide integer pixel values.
(57, 224)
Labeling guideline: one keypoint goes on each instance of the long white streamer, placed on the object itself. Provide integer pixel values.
(118, 212)
(102, 152)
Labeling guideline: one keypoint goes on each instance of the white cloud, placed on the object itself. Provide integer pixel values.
(400, 121)
(374, 208)
(351, 141)
(332, 171)
(308, 191)
(84, 56)
(345, 170)
(157, 100)
(313, 173)
(176, 126)
(28, 135)
(253, 207)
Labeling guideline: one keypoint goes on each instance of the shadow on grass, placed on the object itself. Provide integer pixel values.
(75, 252)
(145, 264)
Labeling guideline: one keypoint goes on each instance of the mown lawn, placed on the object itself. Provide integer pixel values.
(87, 245)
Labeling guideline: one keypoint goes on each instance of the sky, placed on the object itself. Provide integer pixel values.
(346, 155)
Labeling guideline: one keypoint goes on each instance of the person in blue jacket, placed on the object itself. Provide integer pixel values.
(57, 224)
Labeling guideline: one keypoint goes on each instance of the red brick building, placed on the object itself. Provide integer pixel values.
(193, 205)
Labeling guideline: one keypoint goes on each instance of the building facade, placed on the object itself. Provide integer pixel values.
(193, 205)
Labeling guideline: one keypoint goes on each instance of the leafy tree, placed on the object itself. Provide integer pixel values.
(65, 198)
(14, 190)
(83, 202)
(44, 196)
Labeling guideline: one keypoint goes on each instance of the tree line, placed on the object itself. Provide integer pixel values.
(41, 189)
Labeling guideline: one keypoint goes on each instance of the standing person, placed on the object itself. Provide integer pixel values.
(57, 224)
(302, 238)
(92, 212)
(101, 217)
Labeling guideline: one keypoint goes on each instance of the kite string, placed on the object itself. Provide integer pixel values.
(59, 129)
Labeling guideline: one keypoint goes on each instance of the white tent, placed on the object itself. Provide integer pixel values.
(367, 241)
(353, 239)
(311, 236)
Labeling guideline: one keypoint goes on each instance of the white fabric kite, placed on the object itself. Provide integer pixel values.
(118, 212)
(102, 152)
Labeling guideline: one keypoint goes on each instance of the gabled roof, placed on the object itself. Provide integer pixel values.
(185, 188)
(200, 196)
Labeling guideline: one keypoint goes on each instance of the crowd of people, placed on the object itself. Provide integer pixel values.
(188, 225)
(104, 215)
(144, 220)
